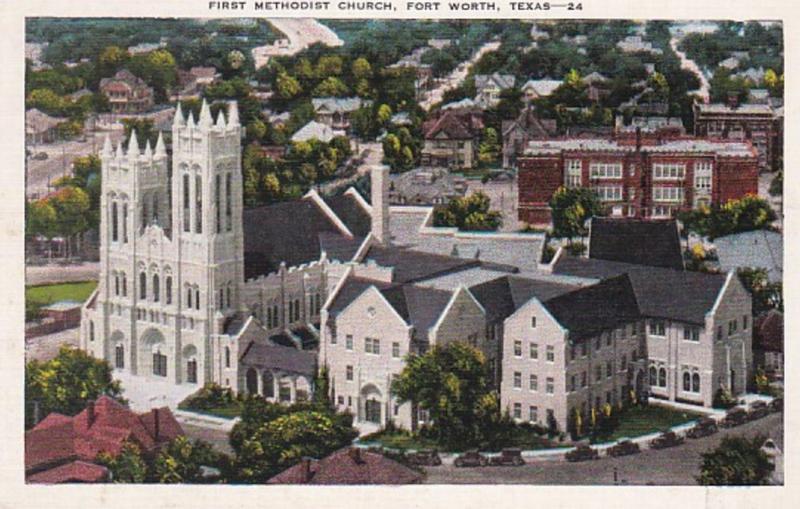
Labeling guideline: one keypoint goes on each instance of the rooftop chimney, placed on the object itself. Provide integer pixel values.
(380, 203)
(305, 466)
(355, 454)
(90, 414)
(733, 99)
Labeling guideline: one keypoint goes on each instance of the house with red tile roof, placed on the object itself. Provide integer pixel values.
(350, 465)
(62, 449)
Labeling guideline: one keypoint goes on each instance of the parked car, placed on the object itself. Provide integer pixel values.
(667, 438)
(582, 453)
(508, 457)
(704, 427)
(623, 448)
(41, 156)
(736, 416)
(757, 410)
(776, 405)
(424, 458)
(471, 459)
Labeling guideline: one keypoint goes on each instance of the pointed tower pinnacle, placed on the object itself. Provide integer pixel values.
(233, 114)
(221, 119)
(205, 116)
(178, 120)
(160, 149)
(133, 144)
(119, 150)
(148, 152)
(107, 150)
(190, 122)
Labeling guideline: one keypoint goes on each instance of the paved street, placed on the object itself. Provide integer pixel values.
(44, 348)
(457, 76)
(674, 466)
(54, 273)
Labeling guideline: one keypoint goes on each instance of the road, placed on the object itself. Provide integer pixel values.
(457, 76)
(674, 466)
(301, 33)
(44, 348)
(692, 66)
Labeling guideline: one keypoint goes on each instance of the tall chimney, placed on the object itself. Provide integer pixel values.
(305, 465)
(380, 203)
(90, 416)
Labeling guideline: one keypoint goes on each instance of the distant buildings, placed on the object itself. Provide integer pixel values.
(435, 186)
(451, 138)
(635, 44)
(536, 89)
(316, 131)
(637, 174)
(760, 123)
(62, 449)
(489, 87)
(518, 132)
(127, 93)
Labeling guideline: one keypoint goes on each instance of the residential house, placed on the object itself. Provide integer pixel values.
(127, 93)
(635, 44)
(40, 127)
(637, 174)
(351, 465)
(451, 139)
(489, 87)
(536, 89)
(518, 132)
(316, 131)
(63, 449)
(335, 112)
(423, 186)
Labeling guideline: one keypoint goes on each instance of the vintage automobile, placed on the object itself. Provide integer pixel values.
(508, 457)
(623, 448)
(424, 458)
(757, 410)
(41, 156)
(736, 416)
(667, 438)
(704, 427)
(471, 459)
(776, 405)
(582, 453)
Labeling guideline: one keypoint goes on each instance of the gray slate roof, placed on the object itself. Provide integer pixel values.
(684, 296)
(501, 297)
(760, 248)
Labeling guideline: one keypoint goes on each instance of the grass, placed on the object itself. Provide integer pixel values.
(47, 294)
(524, 437)
(637, 421)
(226, 412)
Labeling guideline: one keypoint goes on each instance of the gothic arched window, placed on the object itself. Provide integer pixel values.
(198, 204)
(156, 288)
(142, 285)
(114, 222)
(186, 214)
(168, 289)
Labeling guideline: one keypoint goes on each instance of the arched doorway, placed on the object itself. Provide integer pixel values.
(153, 353)
(189, 354)
(251, 381)
(117, 341)
(373, 403)
(639, 384)
(267, 384)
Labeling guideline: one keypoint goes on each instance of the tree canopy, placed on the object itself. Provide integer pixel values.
(468, 213)
(570, 208)
(737, 461)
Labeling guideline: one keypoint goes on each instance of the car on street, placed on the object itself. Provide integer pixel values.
(471, 459)
(776, 405)
(424, 458)
(736, 416)
(704, 427)
(508, 457)
(757, 410)
(624, 447)
(667, 439)
(41, 156)
(582, 453)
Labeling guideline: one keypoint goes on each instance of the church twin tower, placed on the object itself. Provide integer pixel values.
(171, 250)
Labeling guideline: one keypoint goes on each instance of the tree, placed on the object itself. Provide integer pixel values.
(67, 383)
(451, 383)
(329, 65)
(571, 207)
(765, 295)
(735, 216)
(468, 213)
(111, 59)
(127, 467)
(489, 148)
(72, 212)
(737, 461)
(287, 87)
(331, 87)
(271, 437)
(181, 461)
(41, 219)
(361, 69)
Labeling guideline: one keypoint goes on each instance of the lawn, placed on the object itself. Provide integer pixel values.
(226, 412)
(524, 437)
(637, 421)
(47, 294)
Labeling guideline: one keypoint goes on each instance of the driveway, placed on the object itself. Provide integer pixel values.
(674, 466)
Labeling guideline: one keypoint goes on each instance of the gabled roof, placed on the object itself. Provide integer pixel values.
(592, 309)
(643, 242)
(315, 131)
(127, 77)
(502, 81)
(450, 126)
(102, 427)
(296, 232)
(759, 248)
(410, 265)
(684, 296)
(543, 88)
(73, 472)
(530, 122)
(348, 466)
(501, 297)
(337, 104)
(268, 355)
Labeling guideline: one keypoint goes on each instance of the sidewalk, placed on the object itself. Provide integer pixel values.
(54, 273)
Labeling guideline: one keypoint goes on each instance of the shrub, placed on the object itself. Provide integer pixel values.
(576, 248)
(209, 396)
(723, 399)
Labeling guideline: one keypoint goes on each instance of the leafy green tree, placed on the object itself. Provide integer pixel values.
(737, 461)
(287, 86)
(489, 148)
(47, 101)
(331, 87)
(735, 216)
(765, 294)
(570, 208)
(41, 219)
(72, 212)
(128, 466)
(110, 60)
(361, 69)
(451, 383)
(66, 383)
(158, 69)
(145, 131)
(468, 213)
(329, 65)
(384, 114)
(180, 462)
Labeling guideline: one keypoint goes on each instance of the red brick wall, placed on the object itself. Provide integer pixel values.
(734, 179)
(539, 178)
